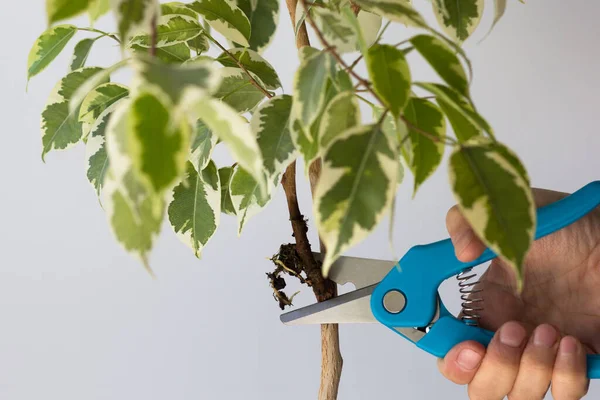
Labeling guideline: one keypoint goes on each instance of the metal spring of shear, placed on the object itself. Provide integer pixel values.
(404, 296)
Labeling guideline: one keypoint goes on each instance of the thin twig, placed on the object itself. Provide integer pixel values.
(153, 36)
(110, 35)
(436, 139)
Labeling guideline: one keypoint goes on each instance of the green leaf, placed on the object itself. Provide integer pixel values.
(246, 196)
(462, 126)
(59, 10)
(309, 86)
(370, 24)
(264, 17)
(451, 98)
(254, 63)
(159, 141)
(235, 132)
(443, 60)
(458, 19)
(341, 114)
(195, 210)
(183, 83)
(199, 44)
(134, 16)
(225, 178)
(356, 188)
(202, 146)
(427, 153)
(390, 75)
(176, 54)
(499, 9)
(337, 29)
(47, 47)
(81, 53)
(495, 198)
(270, 125)
(225, 17)
(237, 91)
(60, 126)
(171, 30)
(98, 8)
(96, 157)
(177, 8)
(99, 100)
(395, 10)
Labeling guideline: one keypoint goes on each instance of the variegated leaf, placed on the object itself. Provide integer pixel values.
(134, 17)
(264, 17)
(341, 114)
(225, 178)
(370, 24)
(235, 132)
(47, 47)
(254, 63)
(225, 17)
(99, 100)
(425, 122)
(59, 10)
(395, 10)
(195, 210)
(246, 196)
(503, 214)
(176, 54)
(237, 91)
(202, 146)
(450, 98)
(443, 60)
(458, 19)
(177, 8)
(171, 30)
(199, 44)
(159, 140)
(270, 125)
(356, 188)
(98, 8)
(337, 29)
(81, 53)
(390, 74)
(462, 126)
(499, 9)
(97, 162)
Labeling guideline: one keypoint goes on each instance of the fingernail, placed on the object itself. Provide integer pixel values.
(544, 336)
(468, 359)
(568, 345)
(462, 240)
(512, 334)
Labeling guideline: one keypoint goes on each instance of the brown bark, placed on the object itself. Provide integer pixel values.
(324, 289)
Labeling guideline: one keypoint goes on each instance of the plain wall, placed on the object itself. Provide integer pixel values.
(81, 319)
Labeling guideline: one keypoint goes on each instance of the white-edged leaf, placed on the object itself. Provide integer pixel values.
(235, 132)
(97, 162)
(390, 74)
(270, 125)
(225, 17)
(177, 8)
(370, 24)
(81, 53)
(47, 47)
(203, 144)
(225, 178)
(99, 100)
(97, 8)
(458, 19)
(254, 63)
(356, 188)
(488, 182)
(427, 153)
(195, 211)
(199, 44)
(337, 29)
(246, 196)
(171, 30)
(176, 54)
(443, 60)
(237, 91)
(395, 10)
(341, 114)
(134, 17)
(59, 10)
(264, 18)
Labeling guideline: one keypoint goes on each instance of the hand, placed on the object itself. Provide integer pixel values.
(542, 335)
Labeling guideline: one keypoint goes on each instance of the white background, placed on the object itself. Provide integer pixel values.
(80, 319)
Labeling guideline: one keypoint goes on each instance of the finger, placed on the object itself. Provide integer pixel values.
(498, 371)
(467, 245)
(461, 362)
(537, 363)
(569, 379)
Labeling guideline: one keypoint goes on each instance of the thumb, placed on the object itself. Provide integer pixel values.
(467, 245)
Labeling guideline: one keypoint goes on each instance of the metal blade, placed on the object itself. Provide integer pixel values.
(353, 307)
(361, 272)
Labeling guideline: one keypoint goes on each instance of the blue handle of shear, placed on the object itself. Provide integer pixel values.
(423, 268)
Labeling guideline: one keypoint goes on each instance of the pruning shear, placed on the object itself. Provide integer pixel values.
(404, 296)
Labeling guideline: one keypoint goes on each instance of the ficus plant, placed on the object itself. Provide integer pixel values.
(199, 79)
